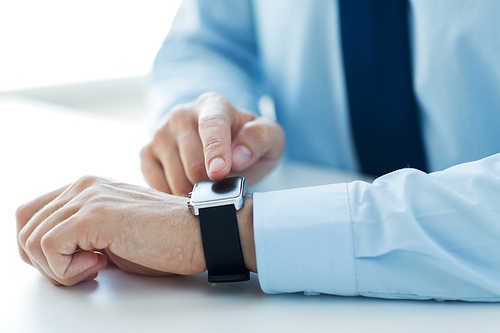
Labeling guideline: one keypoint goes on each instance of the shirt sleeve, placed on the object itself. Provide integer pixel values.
(210, 47)
(406, 235)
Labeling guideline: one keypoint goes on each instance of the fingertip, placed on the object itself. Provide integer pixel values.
(91, 277)
(216, 165)
(218, 168)
(102, 261)
(80, 263)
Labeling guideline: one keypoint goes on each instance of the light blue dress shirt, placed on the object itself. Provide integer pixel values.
(407, 235)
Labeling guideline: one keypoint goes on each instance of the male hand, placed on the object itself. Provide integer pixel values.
(71, 233)
(210, 138)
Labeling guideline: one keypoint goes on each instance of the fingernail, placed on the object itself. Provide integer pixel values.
(241, 155)
(216, 164)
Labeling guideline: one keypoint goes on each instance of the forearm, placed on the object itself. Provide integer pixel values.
(431, 235)
(407, 235)
(218, 54)
(177, 82)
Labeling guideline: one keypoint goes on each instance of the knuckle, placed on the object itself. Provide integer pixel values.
(85, 182)
(145, 152)
(260, 133)
(213, 125)
(95, 200)
(210, 96)
(32, 246)
(23, 237)
(161, 135)
(263, 133)
(178, 114)
(266, 134)
(212, 120)
(46, 242)
(97, 204)
(212, 102)
(22, 215)
(213, 146)
(164, 135)
(180, 118)
(92, 193)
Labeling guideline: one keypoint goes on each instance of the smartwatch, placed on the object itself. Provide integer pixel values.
(216, 203)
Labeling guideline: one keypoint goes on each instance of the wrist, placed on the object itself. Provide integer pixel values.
(245, 227)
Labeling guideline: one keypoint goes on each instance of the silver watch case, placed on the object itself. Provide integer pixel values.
(228, 191)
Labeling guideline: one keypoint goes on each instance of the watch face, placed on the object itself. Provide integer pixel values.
(223, 189)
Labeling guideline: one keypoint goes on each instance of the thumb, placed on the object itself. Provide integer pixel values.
(258, 139)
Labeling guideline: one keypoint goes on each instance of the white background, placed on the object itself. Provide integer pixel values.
(56, 42)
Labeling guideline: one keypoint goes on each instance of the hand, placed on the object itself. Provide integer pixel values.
(210, 138)
(71, 233)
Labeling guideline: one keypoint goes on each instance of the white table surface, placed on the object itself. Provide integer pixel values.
(44, 146)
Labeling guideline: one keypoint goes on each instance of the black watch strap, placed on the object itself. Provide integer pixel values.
(221, 243)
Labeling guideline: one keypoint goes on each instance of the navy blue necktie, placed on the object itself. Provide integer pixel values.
(383, 110)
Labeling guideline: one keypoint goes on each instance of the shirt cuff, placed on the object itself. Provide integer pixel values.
(304, 241)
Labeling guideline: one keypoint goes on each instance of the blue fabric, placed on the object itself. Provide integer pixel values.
(407, 235)
(383, 109)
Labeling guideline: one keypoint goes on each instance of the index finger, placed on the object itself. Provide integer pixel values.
(214, 126)
(25, 212)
